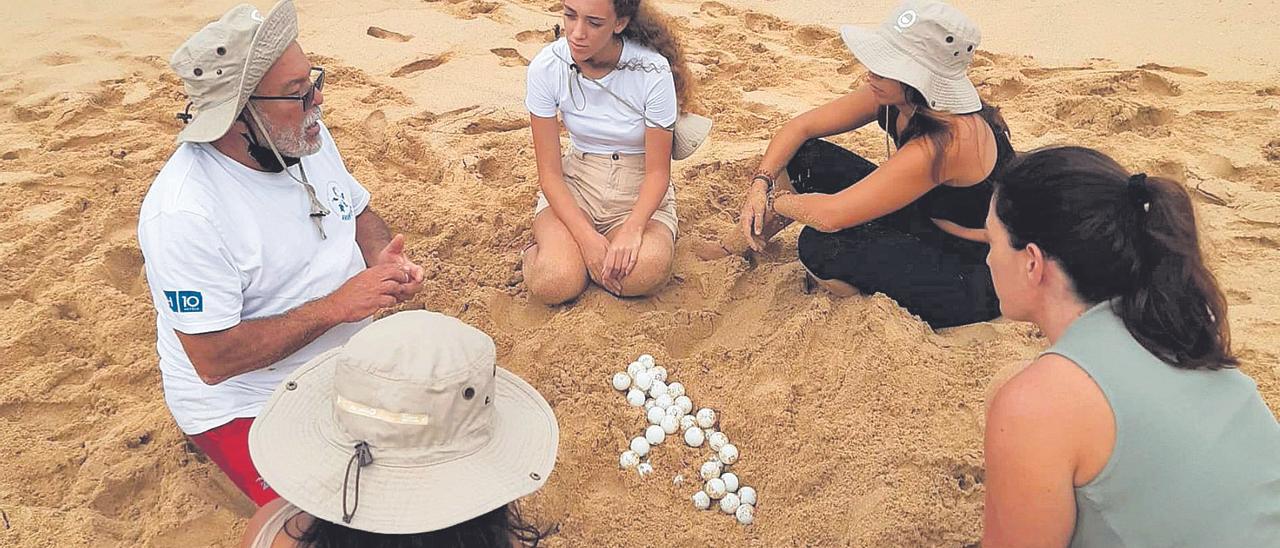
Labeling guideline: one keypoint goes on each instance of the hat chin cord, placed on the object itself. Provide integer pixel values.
(318, 210)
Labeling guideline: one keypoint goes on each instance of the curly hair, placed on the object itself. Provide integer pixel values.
(652, 28)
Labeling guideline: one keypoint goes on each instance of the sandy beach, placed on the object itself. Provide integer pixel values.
(858, 424)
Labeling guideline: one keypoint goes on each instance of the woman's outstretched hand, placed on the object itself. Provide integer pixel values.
(755, 215)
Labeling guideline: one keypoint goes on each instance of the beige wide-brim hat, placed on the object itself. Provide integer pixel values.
(452, 436)
(927, 45)
(691, 130)
(223, 63)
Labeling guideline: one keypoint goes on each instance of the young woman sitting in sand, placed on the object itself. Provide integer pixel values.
(407, 436)
(606, 211)
(1134, 428)
(912, 227)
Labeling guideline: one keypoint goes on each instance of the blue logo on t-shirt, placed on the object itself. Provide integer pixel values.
(340, 201)
(185, 301)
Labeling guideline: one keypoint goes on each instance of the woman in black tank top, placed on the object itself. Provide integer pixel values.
(911, 228)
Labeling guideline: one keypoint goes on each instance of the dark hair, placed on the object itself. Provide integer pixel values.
(502, 527)
(1118, 236)
(933, 125)
(652, 28)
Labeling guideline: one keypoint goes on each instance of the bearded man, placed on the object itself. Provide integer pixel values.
(261, 249)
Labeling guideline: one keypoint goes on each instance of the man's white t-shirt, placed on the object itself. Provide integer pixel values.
(597, 122)
(224, 243)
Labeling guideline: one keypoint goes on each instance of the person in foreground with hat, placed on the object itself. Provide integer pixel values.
(912, 227)
(1134, 428)
(606, 210)
(408, 435)
(261, 251)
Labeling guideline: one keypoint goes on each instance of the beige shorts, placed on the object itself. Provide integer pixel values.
(606, 187)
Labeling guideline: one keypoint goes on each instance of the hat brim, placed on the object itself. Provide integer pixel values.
(954, 95)
(302, 453)
(211, 124)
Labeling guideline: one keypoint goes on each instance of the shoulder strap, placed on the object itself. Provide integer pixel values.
(573, 69)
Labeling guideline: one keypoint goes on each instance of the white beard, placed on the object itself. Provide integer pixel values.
(294, 142)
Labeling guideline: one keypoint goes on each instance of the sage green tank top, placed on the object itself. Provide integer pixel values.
(1197, 453)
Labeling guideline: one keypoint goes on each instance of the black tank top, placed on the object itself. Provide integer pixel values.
(965, 206)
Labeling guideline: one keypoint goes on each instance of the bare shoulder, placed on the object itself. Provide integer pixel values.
(1051, 387)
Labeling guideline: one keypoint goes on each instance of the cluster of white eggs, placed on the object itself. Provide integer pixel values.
(669, 410)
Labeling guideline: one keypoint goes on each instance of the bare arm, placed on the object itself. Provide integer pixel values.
(624, 249)
(372, 235)
(255, 344)
(546, 149)
(657, 175)
(901, 180)
(1032, 442)
(847, 113)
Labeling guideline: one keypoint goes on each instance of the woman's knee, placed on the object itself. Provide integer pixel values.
(652, 271)
(555, 283)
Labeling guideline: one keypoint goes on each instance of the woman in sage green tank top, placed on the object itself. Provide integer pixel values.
(1134, 428)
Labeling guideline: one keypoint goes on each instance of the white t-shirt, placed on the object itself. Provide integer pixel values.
(224, 243)
(596, 121)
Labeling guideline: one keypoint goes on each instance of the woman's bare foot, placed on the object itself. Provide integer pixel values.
(835, 287)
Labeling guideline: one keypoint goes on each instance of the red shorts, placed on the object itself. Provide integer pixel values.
(228, 447)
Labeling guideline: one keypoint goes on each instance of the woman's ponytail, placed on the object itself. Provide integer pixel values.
(1175, 309)
(1127, 238)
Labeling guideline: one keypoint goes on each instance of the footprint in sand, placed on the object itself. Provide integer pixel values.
(510, 57)
(384, 34)
(716, 9)
(536, 36)
(421, 65)
(495, 125)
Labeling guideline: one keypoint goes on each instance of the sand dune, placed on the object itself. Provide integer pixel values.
(857, 423)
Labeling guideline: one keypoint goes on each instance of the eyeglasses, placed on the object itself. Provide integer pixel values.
(308, 99)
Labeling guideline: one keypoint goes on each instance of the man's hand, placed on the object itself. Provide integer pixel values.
(393, 254)
(375, 288)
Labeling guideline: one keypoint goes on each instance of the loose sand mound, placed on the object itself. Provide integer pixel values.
(857, 423)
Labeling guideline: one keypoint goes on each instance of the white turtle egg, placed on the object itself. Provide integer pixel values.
(654, 434)
(717, 440)
(658, 388)
(645, 360)
(729, 454)
(634, 369)
(643, 380)
(660, 373)
(635, 398)
(746, 514)
(685, 404)
(747, 494)
(640, 446)
(710, 469)
(621, 381)
(701, 501)
(714, 488)
(628, 459)
(675, 389)
(687, 422)
(669, 424)
(655, 414)
(674, 411)
(730, 481)
(693, 437)
(729, 503)
(650, 404)
(644, 469)
(664, 401)
(706, 417)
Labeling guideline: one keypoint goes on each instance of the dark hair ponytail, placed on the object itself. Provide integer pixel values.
(1126, 237)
